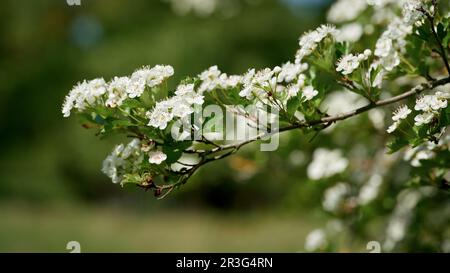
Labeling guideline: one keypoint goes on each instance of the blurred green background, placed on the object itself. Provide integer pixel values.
(51, 188)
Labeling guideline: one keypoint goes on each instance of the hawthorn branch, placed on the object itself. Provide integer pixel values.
(230, 149)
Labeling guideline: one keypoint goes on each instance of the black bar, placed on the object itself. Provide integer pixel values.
(222, 262)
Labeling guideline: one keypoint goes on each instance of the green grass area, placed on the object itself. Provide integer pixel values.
(48, 229)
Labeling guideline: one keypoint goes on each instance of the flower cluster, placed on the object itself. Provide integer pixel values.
(429, 106)
(126, 159)
(348, 63)
(84, 94)
(122, 159)
(180, 106)
(281, 82)
(401, 113)
(113, 94)
(412, 11)
(213, 78)
(311, 40)
(392, 43)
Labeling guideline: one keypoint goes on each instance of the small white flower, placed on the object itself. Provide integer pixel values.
(68, 104)
(160, 115)
(86, 93)
(231, 81)
(182, 110)
(437, 104)
(136, 86)
(424, 118)
(431, 102)
(316, 240)
(348, 63)
(147, 76)
(423, 104)
(210, 79)
(293, 90)
(393, 127)
(309, 41)
(383, 47)
(442, 95)
(117, 91)
(309, 92)
(184, 89)
(391, 61)
(156, 157)
(290, 71)
(401, 113)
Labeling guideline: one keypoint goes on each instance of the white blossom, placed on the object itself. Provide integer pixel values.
(381, 3)
(346, 10)
(117, 91)
(326, 163)
(156, 157)
(309, 92)
(230, 81)
(84, 94)
(133, 147)
(148, 76)
(181, 109)
(160, 115)
(309, 41)
(136, 85)
(391, 43)
(210, 79)
(122, 160)
(316, 240)
(289, 71)
(393, 127)
(401, 113)
(424, 118)
(369, 190)
(347, 64)
(411, 12)
(184, 89)
(254, 83)
(334, 196)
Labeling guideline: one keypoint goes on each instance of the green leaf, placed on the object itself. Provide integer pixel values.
(396, 144)
(132, 103)
(292, 105)
(174, 150)
(131, 179)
